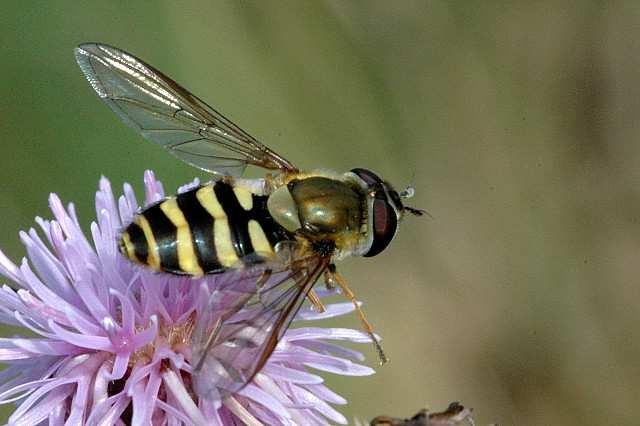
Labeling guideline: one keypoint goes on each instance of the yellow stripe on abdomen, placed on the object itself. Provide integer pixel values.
(225, 252)
(245, 198)
(209, 201)
(224, 247)
(259, 239)
(153, 259)
(187, 258)
(126, 247)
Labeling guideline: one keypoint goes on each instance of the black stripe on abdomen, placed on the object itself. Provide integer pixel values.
(238, 219)
(201, 225)
(165, 235)
(139, 243)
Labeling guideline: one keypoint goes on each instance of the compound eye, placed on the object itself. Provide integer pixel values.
(385, 224)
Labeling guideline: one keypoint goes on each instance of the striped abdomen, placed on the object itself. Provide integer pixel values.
(206, 230)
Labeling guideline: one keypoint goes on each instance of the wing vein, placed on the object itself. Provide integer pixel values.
(148, 100)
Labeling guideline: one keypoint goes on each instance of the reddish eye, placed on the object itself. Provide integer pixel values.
(385, 224)
(385, 220)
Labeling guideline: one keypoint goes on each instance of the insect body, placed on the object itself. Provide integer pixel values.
(280, 233)
(205, 230)
(224, 225)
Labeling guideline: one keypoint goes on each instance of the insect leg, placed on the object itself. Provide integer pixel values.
(264, 278)
(334, 277)
(329, 279)
(210, 340)
(315, 300)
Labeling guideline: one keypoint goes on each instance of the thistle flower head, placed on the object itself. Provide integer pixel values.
(112, 340)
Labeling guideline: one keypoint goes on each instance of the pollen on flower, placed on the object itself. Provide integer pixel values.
(114, 340)
(179, 335)
(176, 337)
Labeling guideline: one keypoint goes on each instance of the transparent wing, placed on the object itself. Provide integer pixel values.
(243, 321)
(169, 115)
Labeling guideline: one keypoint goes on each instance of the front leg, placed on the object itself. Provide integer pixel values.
(332, 277)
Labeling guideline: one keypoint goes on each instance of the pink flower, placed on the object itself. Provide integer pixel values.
(112, 343)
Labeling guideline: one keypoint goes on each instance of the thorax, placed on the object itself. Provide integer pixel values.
(326, 210)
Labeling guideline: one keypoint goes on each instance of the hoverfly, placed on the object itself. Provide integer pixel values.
(279, 234)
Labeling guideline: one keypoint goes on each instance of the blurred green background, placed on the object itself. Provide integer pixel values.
(517, 122)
